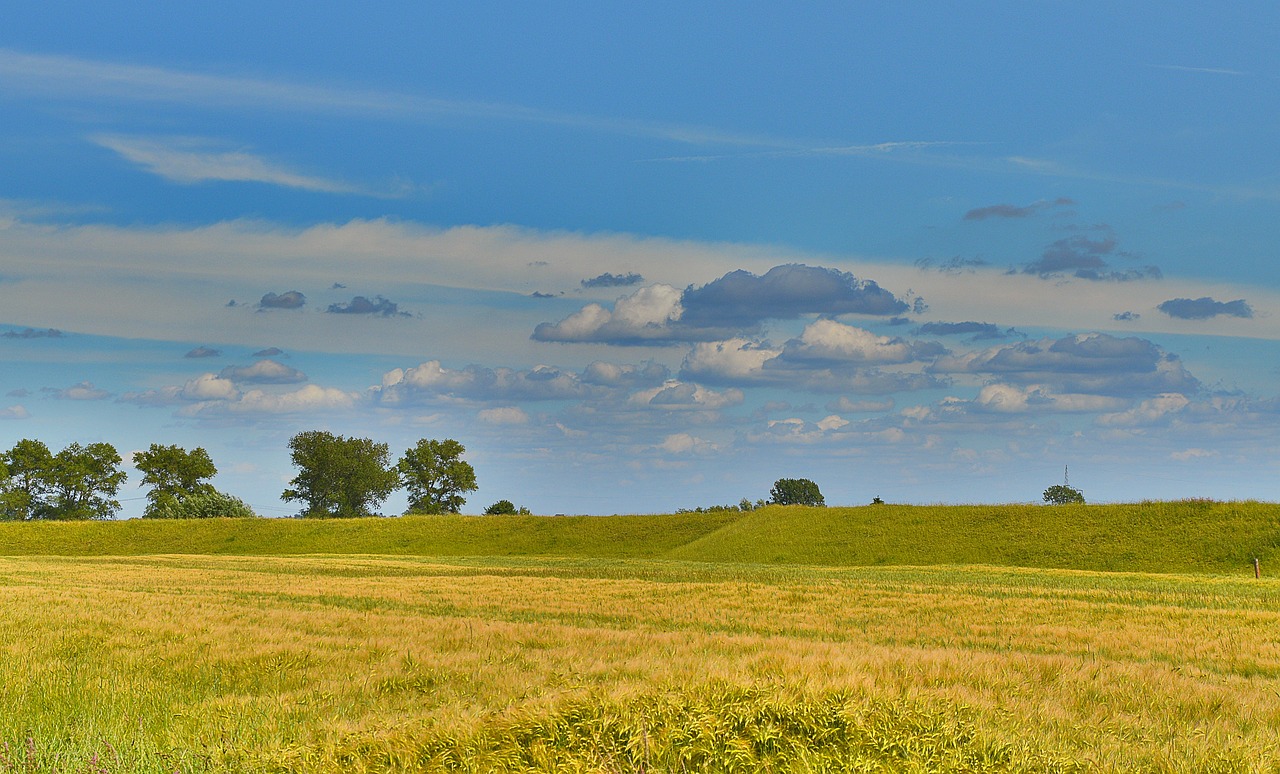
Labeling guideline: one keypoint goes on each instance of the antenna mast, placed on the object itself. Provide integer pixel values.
(1066, 479)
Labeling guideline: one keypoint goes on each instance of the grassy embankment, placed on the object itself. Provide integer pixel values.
(1188, 536)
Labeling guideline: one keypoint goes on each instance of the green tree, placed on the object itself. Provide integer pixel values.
(1061, 494)
(26, 487)
(174, 475)
(795, 491)
(339, 477)
(83, 482)
(500, 508)
(436, 476)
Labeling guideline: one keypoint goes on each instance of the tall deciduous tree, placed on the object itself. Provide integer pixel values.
(174, 475)
(795, 491)
(84, 481)
(29, 464)
(436, 476)
(338, 476)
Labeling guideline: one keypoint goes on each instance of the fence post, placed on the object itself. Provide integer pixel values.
(1257, 568)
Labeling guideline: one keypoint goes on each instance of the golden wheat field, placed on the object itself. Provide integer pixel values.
(310, 664)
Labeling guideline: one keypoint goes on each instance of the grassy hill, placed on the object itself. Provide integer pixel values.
(1185, 536)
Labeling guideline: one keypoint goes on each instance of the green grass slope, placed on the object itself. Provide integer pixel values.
(1186, 536)
(573, 536)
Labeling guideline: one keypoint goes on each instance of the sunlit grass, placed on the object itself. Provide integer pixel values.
(405, 664)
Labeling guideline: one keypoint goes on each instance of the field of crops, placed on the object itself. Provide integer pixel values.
(362, 663)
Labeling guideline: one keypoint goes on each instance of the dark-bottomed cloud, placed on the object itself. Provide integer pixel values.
(1082, 257)
(735, 304)
(1014, 211)
(200, 352)
(290, 300)
(741, 298)
(32, 333)
(1204, 308)
(269, 352)
(1093, 363)
(978, 330)
(608, 280)
(379, 306)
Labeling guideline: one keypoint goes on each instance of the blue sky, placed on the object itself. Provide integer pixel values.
(639, 257)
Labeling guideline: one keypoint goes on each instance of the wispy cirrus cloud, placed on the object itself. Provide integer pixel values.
(192, 160)
(48, 75)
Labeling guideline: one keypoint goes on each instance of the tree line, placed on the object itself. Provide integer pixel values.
(338, 477)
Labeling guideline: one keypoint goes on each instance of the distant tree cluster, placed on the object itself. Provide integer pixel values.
(79, 482)
(340, 477)
(83, 482)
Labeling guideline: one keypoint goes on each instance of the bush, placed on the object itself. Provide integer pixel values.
(1061, 494)
(207, 504)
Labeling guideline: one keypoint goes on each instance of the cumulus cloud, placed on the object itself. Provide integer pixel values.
(81, 391)
(269, 352)
(289, 300)
(31, 333)
(828, 356)
(683, 396)
(311, 397)
(200, 352)
(507, 415)
(737, 302)
(1083, 257)
(379, 307)
(684, 443)
(1204, 308)
(1152, 411)
(743, 299)
(1015, 399)
(205, 387)
(831, 342)
(843, 405)
(431, 380)
(14, 412)
(648, 316)
(608, 280)
(264, 372)
(1125, 316)
(605, 374)
(1014, 211)
(1093, 363)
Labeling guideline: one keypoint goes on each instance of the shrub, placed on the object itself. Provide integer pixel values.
(1061, 494)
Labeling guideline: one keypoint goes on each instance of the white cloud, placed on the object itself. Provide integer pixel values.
(684, 443)
(1188, 455)
(14, 412)
(682, 396)
(1149, 412)
(736, 359)
(81, 391)
(311, 397)
(828, 340)
(507, 415)
(645, 315)
(188, 160)
(264, 371)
